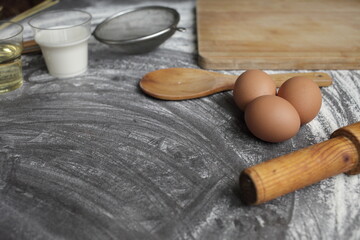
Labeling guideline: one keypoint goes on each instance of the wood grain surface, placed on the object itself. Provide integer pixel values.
(278, 34)
(92, 157)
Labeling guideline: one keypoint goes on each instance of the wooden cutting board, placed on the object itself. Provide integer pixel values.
(278, 34)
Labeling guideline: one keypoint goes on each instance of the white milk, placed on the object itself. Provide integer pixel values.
(65, 50)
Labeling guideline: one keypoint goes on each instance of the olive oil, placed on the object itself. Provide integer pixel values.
(11, 76)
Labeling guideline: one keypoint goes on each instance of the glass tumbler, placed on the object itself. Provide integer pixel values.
(11, 38)
(63, 38)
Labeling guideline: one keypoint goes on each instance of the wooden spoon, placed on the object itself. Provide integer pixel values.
(188, 83)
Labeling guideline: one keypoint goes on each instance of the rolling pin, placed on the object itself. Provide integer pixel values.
(290, 172)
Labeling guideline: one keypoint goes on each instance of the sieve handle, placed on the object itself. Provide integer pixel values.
(180, 29)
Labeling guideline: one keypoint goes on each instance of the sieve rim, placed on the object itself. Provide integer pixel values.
(171, 27)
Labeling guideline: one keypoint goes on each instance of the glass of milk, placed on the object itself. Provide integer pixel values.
(63, 38)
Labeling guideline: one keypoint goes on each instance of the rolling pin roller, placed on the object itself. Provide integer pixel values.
(287, 173)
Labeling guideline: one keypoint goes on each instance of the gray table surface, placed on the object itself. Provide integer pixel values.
(92, 157)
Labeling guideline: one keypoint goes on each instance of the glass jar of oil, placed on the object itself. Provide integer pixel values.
(11, 38)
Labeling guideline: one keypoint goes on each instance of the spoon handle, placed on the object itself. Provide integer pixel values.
(226, 82)
(320, 78)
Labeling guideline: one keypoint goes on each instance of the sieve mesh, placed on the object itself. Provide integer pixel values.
(136, 24)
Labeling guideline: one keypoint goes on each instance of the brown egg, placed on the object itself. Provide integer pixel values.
(272, 118)
(304, 95)
(250, 85)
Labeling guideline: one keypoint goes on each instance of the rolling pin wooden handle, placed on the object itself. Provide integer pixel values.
(287, 173)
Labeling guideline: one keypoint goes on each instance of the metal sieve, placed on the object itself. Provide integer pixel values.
(138, 30)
